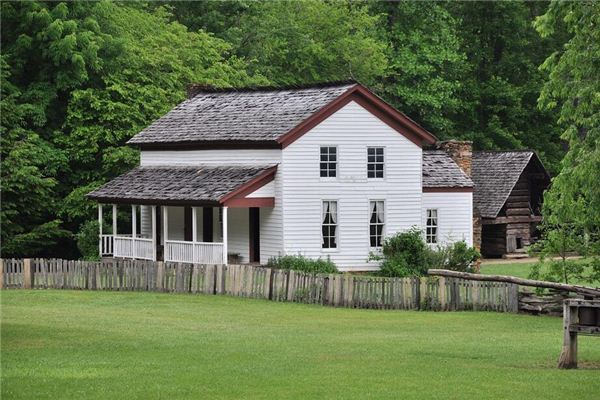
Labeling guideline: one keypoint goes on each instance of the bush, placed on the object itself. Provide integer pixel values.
(87, 240)
(403, 254)
(407, 254)
(301, 263)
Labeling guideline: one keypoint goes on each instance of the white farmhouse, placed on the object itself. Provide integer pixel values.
(246, 175)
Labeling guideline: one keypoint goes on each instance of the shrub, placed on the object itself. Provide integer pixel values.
(407, 254)
(301, 263)
(403, 254)
(456, 257)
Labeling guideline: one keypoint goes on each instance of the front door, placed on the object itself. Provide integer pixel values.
(254, 234)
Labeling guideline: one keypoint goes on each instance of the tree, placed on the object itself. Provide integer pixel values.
(501, 82)
(571, 93)
(79, 79)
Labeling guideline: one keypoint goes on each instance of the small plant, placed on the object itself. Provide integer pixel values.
(457, 256)
(301, 263)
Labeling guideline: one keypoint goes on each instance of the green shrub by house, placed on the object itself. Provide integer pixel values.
(301, 263)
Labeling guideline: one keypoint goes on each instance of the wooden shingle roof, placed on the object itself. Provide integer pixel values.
(495, 173)
(178, 185)
(259, 115)
(440, 171)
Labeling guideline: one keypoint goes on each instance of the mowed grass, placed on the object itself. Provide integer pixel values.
(518, 269)
(117, 345)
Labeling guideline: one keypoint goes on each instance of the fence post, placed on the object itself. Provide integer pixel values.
(1, 273)
(160, 274)
(27, 274)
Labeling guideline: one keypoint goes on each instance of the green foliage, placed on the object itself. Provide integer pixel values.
(403, 254)
(87, 240)
(301, 263)
(572, 205)
(78, 80)
(567, 270)
(457, 256)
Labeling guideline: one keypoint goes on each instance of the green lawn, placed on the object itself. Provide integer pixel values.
(519, 269)
(117, 345)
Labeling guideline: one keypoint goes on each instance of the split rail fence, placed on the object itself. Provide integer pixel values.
(342, 290)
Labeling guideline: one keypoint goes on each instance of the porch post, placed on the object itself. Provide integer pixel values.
(133, 229)
(194, 233)
(100, 230)
(154, 256)
(225, 235)
(114, 215)
(165, 227)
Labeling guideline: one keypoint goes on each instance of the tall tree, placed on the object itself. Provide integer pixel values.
(501, 83)
(78, 80)
(572, 93)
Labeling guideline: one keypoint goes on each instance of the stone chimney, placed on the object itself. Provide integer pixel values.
(460, 151)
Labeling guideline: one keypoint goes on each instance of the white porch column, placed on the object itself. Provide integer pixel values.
(225, 235)
(133, 229)
(114, 215)
(154, 251)
(100, 230)
(194, 233)
(165, 214)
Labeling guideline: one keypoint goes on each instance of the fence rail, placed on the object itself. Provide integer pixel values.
(342, 290)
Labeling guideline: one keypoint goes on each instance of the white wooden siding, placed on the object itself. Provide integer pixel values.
(239, 233)
(267, 190)
(210, 157)
(272, 224)
(352, 129)
(455, 215)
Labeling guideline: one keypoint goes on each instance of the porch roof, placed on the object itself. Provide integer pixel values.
(199, 185)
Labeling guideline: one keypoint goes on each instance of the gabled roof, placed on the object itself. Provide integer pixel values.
(495, 173)
(183, 185)
(265, 116)
(440, 171)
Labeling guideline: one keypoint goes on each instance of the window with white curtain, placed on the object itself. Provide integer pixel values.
(376, 222)
(431, 226)
(329, 224)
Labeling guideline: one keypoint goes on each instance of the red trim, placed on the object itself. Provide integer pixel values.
(251, 202)
(447, 189)
(252, 185)
(394, 118)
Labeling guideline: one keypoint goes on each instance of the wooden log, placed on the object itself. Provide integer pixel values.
(588, 291)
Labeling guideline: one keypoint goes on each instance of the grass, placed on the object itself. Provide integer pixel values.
(518, 269)
(107, 345)
(522, 270)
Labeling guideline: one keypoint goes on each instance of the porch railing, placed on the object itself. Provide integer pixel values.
(128, 247)
(194, 252)
(107, 245)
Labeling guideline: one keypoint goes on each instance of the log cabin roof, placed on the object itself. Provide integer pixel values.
(440, 171)
(495, 173)
(178, 185)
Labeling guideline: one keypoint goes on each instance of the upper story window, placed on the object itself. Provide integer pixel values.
(329, 224)
(328, 164)
(431, 227)
(375, 162)
(376, 222)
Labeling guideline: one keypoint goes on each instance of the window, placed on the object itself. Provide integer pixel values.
(329, 227)
(431, 227)
(328, 161)
(374, 162)
(376, 222)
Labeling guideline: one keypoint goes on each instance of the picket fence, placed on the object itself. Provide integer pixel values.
(342, 290)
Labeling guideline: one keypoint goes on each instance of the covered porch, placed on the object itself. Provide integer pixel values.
(181, 215)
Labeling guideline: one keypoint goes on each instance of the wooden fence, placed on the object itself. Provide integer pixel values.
(342, 290)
